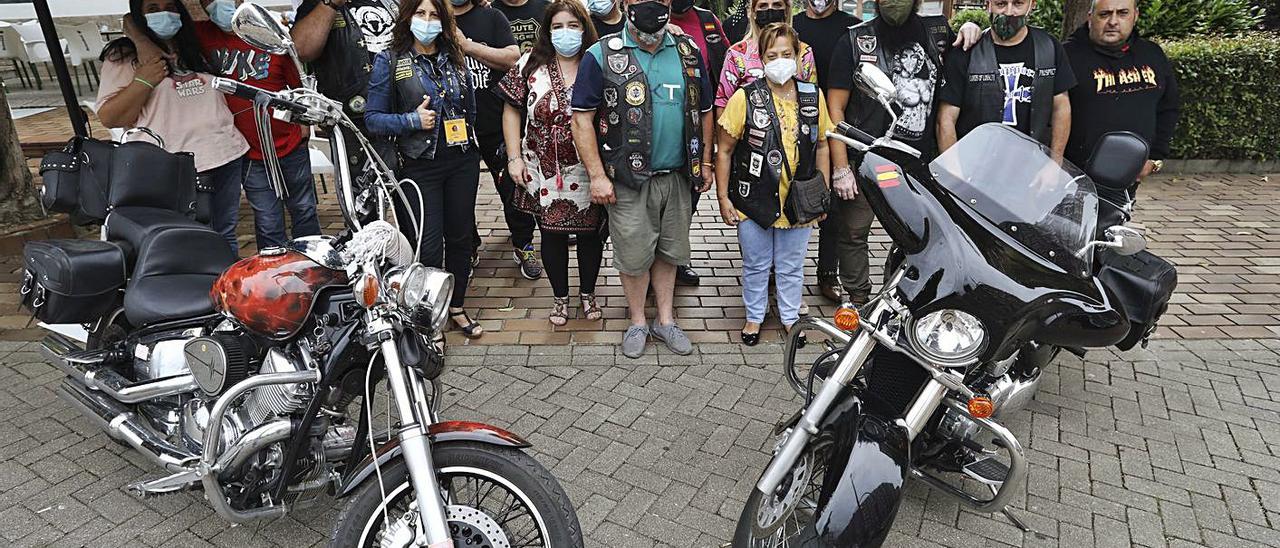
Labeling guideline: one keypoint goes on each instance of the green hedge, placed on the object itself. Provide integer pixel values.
(1159, 19)
(1229, 91)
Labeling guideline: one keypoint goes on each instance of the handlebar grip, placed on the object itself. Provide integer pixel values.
(855, 133)
(251, 93)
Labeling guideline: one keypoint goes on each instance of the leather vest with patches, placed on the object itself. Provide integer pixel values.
(625, 119)
(717, 49)
(343, 67)
(759, 154)
(865, 112)
(407, 73)
(984, 96)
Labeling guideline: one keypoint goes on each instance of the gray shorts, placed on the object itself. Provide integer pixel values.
(651, 222)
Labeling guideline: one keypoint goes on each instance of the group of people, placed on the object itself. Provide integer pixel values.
(605, 120)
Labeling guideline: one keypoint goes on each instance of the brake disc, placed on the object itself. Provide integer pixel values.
(473, 528)
(775, 508)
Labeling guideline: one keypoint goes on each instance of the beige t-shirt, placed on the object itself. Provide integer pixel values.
(185, 111)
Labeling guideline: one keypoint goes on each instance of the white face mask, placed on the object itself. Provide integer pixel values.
(780, 70)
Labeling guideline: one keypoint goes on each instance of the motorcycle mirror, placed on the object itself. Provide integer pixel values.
(876, 82)
(257, 26)
(1126, 241)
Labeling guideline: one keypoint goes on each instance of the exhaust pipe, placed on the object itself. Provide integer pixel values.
(86, 368)
(121, 424)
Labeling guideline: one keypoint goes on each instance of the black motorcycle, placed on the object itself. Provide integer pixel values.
(995, 269)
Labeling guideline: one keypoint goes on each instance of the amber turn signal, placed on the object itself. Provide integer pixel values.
(367, 290)
(981, 407)
(847, 318)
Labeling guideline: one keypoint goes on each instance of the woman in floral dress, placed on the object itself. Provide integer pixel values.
(543, 161)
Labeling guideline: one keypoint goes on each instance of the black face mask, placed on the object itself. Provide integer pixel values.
(681, 6)
(648, 17)
(765, 18)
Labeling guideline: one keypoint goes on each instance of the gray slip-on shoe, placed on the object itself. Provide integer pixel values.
(633, 341)
(673, 337)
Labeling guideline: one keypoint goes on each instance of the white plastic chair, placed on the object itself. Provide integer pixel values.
(35, 48)
(11, 48)
(84, 42)
(321, 163)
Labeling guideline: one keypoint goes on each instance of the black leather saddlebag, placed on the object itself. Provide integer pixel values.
(1143, 283)
(71, 281)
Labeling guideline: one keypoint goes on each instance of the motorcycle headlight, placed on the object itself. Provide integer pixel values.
(951, 337)
(423, 293)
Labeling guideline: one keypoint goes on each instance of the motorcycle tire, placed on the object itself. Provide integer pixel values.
(529, 479)
(742, 535)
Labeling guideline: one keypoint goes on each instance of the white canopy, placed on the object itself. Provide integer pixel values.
(66, 9)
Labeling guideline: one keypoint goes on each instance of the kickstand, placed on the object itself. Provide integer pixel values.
(1013, 518)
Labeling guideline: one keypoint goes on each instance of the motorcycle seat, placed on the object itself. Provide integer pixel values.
(175, 269)
(130, 226)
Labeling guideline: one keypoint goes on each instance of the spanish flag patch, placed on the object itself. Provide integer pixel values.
(887, 176)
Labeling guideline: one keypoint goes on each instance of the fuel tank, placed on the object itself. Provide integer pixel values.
(271, 294)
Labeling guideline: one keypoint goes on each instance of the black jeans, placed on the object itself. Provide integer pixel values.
(555, 259)
(829, 246)
(448, 184)
(494, 152)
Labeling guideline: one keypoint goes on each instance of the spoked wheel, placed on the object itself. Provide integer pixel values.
(495, 497)
(786, 518)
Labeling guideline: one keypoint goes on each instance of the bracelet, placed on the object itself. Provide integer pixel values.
(514, 158)
(145, 83)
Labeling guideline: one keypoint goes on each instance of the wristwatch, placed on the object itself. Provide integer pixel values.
(331, 3)
(1157, 165)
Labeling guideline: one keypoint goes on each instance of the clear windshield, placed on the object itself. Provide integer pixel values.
(1050, 207)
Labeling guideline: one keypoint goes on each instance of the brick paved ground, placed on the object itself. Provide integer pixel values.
(1177, 446)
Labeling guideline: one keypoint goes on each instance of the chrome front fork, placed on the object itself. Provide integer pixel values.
(410, 402)
(807, 427)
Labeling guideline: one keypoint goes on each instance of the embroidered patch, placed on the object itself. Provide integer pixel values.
(869, 59)
(610, 97)
(754, 132)
(356, 104)
(637, 161)
(634, 115)
(758, 98)
(615, 43)
(614, 119)
(757, 162)
(809, 111)
(887, 176)
(744, 189)
(760, 119)
(684, 48)
(618, 62)
(635, 93)
(775, 158)
(867, 43)
(712, 37)
(404, 69)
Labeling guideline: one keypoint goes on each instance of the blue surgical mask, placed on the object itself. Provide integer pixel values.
(164, 23)
(458, 3)
(425, 31)
(566, 41)
(600, 7)
(220, 12)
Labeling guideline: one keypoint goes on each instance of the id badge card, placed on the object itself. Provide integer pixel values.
(455, 132)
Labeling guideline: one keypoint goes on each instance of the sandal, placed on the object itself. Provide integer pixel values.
(591, 310)
(471, 329)
(560, 312)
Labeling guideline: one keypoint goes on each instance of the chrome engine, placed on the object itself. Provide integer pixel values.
(280, 399)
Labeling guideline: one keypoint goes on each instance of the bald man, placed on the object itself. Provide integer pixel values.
(1126, 84)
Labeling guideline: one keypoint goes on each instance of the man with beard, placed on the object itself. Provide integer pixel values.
(910, 49)
(339, 38)
(1016, 75)
(1128, 84)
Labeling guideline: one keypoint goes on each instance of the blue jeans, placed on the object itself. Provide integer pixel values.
(781, 250)
(268, 208)
(224, 210)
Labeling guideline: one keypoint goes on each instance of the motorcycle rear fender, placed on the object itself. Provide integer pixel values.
(864, 479)
(440, 432)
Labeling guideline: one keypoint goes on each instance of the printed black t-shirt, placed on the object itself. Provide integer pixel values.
(525, 20)
(487, 26)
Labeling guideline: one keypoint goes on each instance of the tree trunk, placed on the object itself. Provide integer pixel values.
(18, 200)
(1074, 14)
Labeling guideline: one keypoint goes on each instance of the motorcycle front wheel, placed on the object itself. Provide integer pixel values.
(786, 519)
(495, 497)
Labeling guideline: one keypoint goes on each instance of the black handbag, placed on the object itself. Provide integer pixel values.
(808, 197)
